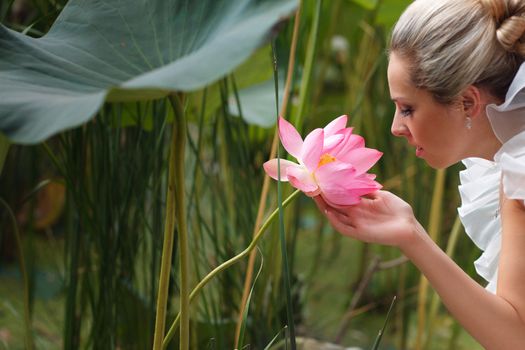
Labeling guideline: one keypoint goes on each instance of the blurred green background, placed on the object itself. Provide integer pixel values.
(88, 205)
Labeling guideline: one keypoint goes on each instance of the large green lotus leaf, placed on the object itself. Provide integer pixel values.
(257, 103)
(120, 50)
(256, 69)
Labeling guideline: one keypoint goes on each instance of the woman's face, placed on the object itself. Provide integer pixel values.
(435, 130)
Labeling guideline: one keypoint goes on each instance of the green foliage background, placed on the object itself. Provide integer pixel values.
(89, 205)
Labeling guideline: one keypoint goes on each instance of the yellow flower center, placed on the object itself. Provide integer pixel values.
(325, 159)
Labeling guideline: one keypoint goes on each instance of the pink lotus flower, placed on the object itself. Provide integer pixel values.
(332, 162)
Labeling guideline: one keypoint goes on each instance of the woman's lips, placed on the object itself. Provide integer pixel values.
(419, 151)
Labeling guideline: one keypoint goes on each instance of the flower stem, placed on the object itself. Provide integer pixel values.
(175, 209)
(180, 211)
(228, 263)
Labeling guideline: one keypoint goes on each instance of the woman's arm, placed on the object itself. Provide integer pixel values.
(495, 321)
(511, 273)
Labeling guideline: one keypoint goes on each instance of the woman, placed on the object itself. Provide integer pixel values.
(455, 78)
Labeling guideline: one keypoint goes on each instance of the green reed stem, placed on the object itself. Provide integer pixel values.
(4, 148)
(266, 182)
(434, 304)
(308, 69)
(434, 227)
(180, 211)
(27, 315)
(228, 263)
(282, 234)
(175, 210)
(375, 346)
(246, 309)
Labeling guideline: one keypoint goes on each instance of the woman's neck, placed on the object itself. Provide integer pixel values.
(485, 142)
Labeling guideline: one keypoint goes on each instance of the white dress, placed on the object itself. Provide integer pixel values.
(481, 180)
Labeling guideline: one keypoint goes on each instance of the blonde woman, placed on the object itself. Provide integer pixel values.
(457, 78)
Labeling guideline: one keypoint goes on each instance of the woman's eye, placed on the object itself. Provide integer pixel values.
(406, 112)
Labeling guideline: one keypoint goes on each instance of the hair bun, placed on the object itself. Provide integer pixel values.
(509, 16)
(510, 34)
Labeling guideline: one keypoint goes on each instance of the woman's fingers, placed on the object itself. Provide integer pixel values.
(321, 204)
(343, 221)
(340, 222)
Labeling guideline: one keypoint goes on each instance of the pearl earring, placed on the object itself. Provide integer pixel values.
(468, 123)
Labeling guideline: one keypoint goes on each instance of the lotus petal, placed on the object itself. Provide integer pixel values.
(350, 142)
(271, 168)
(332, 141)
(303, 180)
(335, 173)
(290, 138)
(337, 197)
(361, 158)
(312, 149)
(335, 125)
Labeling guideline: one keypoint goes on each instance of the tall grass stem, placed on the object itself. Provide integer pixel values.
(434, 227)
(27, 314)
(175, 211)
(308, 67)
(434, 304)
(4, 148)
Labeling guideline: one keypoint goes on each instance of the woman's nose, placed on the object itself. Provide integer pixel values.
(398, 128)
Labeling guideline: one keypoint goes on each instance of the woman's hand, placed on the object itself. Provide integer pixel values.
(381, 218)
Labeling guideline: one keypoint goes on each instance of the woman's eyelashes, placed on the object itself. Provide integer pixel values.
(406, 111)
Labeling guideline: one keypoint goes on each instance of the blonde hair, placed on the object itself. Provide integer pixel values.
(450, 44)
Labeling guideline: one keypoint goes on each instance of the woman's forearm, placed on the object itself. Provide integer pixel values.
(493, 321)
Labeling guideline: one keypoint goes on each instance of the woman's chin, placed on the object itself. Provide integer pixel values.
(439, 163)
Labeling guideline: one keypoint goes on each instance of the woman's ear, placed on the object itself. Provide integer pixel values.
(472, 101)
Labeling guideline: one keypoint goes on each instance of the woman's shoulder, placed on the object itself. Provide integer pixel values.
(511, 161)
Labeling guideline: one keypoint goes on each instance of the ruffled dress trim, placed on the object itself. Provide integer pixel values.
(508, 119)
(479, 213)
(511, 158)
(480, 181)
(479, 191)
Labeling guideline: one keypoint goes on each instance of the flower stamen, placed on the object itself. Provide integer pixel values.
(326, 159)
